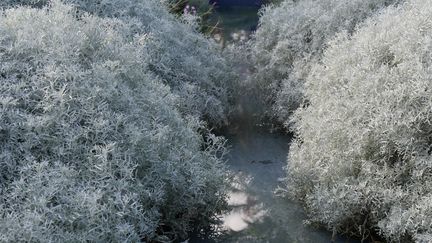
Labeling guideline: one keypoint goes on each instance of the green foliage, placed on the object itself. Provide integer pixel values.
(362, 158)
(92, 145)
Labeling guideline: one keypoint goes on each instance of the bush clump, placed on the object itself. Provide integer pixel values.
(291, 37)
(92, 145)
(188, 62)
(362, 159)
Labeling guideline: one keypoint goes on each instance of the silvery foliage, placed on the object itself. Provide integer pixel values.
(362, 158)
(292, 36)
(92, 146)
(191, 64)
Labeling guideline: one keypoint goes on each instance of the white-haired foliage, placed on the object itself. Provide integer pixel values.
(92, 146)
(191, 64)
(362, 161)
(292, 36)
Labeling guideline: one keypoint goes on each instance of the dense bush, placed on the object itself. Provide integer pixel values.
(362, 160)
(187, 61)
(292, 36)
(92, 146)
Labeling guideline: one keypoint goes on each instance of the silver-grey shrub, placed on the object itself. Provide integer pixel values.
(191, 64)
(291, 37)
(362, 158)
(92, 146)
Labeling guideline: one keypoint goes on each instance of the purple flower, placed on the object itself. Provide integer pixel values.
(190, 10)
(186, 10)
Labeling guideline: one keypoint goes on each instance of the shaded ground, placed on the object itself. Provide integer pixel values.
(256, 161)
(231, 20)
(257, 214)
(235, 23)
